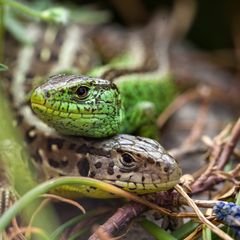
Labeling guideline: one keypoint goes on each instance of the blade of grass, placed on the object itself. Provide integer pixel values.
(14, 164)
(3, 67)
(54, 183)
(206, 233)
(238, 198)
(56, 234)
(79, 233)
(156, 231)
(185, 230)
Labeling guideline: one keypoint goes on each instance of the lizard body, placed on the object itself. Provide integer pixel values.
(121, 97)
(135, 164)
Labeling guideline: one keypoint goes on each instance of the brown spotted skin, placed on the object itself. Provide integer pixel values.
(133, 163)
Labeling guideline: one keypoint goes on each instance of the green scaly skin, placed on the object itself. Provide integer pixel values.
(124, 96)
(97, 115)
(120, 105)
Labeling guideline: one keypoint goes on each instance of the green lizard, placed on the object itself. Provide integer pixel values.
(135, 164)
(122, 97)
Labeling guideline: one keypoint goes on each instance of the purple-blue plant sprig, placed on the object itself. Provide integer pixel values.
(229, 213)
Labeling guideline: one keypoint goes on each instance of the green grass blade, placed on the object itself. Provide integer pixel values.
(156, 231)
(3, 67)
(57, 233)
(185, 230)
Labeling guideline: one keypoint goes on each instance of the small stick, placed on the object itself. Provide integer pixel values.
(177, 104)
(124, 215)
(121, 218)
(204, 220)
(230, 145)
(220, 159)
(199, 125)
(102, 235)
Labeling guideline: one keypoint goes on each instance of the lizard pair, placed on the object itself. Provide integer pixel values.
(91, 107)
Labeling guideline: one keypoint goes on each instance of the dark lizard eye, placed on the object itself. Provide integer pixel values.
(127, 160)
(82, 92)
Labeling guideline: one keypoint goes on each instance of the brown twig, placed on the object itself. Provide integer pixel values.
(124, 215)
(221, 153)
(121, 218)
(101, 234)
(187, 150)
(198, 93)
(27, 231)
(198, 127)
(177, 104)
(17, 229)
(210, 225)
(230, 145)
(66, 200)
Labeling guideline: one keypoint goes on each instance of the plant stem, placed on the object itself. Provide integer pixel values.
(22, 8)
(1, 31)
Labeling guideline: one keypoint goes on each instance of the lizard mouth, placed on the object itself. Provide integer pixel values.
(144, 188)
(41, 106)
(43, 110)
(73, 191)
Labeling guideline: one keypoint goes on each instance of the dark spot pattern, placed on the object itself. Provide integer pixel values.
(98, 165)
(83, 167)
(111, 164)
(37, 157)
(64, 163)
(92, 174)
(166, 169)
(82, 149)
(110, 171)
(150, 160)
(53, 163)
(72, 146)
(20, 119)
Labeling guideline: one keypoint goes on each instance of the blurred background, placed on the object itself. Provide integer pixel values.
(203, 42)
(214, 26)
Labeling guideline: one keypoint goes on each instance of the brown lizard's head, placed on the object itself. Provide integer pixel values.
(136, 164)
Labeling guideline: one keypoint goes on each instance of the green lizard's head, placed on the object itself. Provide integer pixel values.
(79, 105)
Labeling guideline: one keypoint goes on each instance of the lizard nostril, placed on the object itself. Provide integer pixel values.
(47, 94)
(166, 169)
(37, 97)
(158, 163)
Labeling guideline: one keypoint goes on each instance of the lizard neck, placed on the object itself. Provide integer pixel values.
(44, 143)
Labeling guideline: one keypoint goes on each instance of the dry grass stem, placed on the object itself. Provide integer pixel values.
(200, 215)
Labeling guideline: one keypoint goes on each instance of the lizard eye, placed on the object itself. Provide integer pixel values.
(82, 92)
(127, 160)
